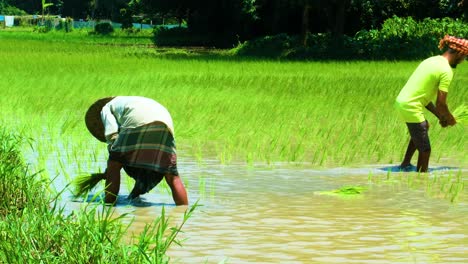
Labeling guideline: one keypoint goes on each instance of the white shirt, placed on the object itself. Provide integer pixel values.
(124, 112)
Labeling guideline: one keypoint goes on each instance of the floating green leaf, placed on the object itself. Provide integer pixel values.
(345, 191)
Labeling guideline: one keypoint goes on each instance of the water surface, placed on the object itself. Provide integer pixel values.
(274, 215)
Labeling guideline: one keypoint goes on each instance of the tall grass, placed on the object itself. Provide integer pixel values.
(315, 113)
(85, 35)
(34, 229)
(446, 185)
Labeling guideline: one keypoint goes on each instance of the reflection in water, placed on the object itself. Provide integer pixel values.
(271, 215)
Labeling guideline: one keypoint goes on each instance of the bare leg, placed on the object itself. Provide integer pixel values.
(423, 158)
(179, 194)
(423, 161)
(409, 154)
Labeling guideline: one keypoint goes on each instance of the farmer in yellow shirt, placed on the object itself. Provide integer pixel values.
(429, 82)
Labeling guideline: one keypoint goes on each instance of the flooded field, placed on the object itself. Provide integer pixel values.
(275, 215)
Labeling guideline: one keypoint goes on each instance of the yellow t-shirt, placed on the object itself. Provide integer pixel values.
(431, 75)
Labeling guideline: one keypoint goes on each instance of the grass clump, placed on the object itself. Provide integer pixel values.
(325, 114)
(13, 184)
(461, 114)
(345, 191)
(448, 185)
(35, 229)
(85, 183)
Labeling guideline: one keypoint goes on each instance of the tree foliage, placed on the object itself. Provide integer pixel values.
(231, 21)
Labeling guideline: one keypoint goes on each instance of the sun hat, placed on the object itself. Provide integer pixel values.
(93, 118)
(458, 44)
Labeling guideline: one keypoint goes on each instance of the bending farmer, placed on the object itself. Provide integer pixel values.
(430, 81)
(140, 137)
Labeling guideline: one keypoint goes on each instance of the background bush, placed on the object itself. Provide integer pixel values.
(398, 38)
(104, 28)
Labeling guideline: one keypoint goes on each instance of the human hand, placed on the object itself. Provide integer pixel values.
(447, 122)
(443, 123)
(451, 121)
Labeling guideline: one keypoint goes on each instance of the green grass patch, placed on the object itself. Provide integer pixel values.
(35, 229)
(313, 113)
(449, 185)
(344, 192)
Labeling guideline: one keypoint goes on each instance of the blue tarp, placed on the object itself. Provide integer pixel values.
(2, 18)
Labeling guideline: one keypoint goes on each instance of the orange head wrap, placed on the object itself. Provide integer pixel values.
(458, 44)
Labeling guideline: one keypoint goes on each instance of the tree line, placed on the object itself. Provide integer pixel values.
(239, 20)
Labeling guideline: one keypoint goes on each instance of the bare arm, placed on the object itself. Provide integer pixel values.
(178, 190)
(432, 108)
(446, 118)
(112, 181)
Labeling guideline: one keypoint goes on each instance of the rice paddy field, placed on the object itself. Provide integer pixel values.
(258, 143)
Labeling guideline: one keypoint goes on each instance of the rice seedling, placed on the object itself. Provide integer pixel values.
(344, 192)
(233, 110)
(461, 114)
(440, 185)
(85, 183)
(53, 236)
(34, 228)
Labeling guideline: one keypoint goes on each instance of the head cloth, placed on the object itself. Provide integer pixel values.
(458, 44)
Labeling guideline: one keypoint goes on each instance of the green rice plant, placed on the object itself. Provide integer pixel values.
(202, 186)
(248, 110)
(344, 192)
(461, 114)
(35, 229)
(155, 246)
(440, 185)
(12, 183)
(83, 184)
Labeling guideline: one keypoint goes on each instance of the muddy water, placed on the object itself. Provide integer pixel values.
(274, 215)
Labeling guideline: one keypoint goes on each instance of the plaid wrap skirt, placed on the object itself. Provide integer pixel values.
(147, 153)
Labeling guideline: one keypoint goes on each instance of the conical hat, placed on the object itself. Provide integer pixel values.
(93, 118)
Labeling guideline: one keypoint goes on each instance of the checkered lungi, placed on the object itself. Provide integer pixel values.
(147, 153)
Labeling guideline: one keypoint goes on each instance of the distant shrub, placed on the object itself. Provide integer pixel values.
(268, 46)
(11, 10)
(104, 28)
(399, 38)
(405, 38)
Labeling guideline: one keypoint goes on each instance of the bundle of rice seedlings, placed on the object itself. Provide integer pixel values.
(461, 114)
(344, 192)
(85, 183)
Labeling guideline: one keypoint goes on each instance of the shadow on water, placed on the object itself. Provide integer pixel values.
(413, 168)
(122, 201)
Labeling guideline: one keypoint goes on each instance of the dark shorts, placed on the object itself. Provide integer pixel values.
(145, 180)
(419, 135)
(150, 147)
(147, 153)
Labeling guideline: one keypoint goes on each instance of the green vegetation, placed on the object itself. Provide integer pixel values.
(344, 192)
(103, 28)
(461, 114)
(397, 38)
(79, 36)
(446, 185)
(234, 109)
(317, 113)
(34, 228)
